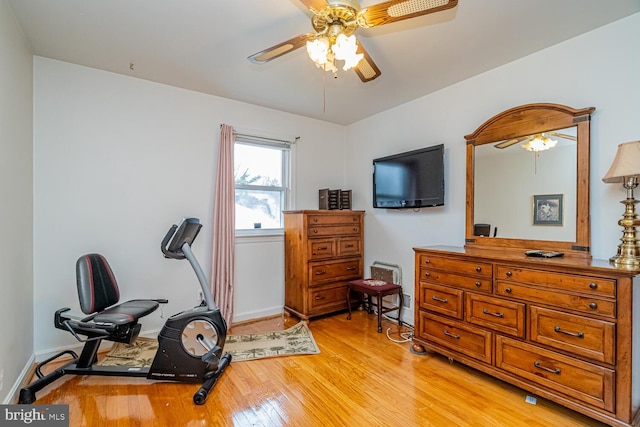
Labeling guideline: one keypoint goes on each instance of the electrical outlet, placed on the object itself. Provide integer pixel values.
(406, 300)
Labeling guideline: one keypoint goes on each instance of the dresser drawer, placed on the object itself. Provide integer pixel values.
(323, 272)
(455, 335)
(460, 266)
(583, 303)
(580, 380)
(590, 285)
(348, 246)
(441, 299)
(458, 280)
(329, 248)
(321, 248)
(334, 230)
(500, 315)
(328, 297)
(582, 336)
(333, 219)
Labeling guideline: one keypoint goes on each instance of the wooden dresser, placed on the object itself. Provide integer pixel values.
(560, 328)
(323, 250)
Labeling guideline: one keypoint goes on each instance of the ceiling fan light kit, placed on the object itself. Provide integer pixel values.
(539, 142)
(336, 21)
(323, 52)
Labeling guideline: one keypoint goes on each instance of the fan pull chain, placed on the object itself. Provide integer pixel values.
(324, 89)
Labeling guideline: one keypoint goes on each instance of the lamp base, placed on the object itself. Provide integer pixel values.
(629, 250)
(621, 261)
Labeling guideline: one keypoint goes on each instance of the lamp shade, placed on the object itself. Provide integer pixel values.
(626, 163)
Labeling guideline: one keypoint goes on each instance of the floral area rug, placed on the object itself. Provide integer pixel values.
(295, 340)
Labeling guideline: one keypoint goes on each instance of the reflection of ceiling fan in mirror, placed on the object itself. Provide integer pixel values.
(540, 140)
(335, 22)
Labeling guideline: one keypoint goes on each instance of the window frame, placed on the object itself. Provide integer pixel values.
(286, 190)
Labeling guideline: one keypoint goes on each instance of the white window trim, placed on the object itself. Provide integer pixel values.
(260, 234)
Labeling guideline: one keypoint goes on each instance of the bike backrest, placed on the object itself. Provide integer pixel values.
(97, 286)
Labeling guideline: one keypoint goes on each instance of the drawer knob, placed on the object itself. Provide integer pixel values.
(478, 269)
(544, 368)
(427, 274)
(593, 305)
(315, 230)
(449, 334)
(509, 274)
(485, 311)
(348, 246)
(322, 248)
(508, 290)
(478, 284)
(350, 268)
(315, 219)
(320, 297)
(593, 285)
(426, 261)
(573, 334)
(320, 272)
(443, 300)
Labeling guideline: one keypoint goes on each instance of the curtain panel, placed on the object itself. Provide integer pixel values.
(223, 238)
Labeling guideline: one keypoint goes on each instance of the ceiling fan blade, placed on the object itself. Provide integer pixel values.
(563, 135)
(397, 10)
(366, 69)
(510, 142)
(280, 49)
(315, 4)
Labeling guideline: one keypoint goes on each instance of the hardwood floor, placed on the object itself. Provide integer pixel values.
(360, 378)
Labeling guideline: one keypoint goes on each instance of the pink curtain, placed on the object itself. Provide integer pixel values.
(223, 249)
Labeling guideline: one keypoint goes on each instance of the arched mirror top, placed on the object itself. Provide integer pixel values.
(529, 196)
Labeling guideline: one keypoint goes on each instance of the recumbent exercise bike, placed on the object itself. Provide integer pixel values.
(189, 345)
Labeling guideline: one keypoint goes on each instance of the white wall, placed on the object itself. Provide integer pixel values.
(597, 69)
(16, 208)
(117, 160)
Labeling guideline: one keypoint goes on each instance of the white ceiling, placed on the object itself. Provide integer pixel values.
(203, 45)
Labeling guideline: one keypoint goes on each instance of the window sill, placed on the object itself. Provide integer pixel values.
(257, 236)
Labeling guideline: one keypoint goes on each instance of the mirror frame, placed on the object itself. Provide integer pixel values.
(526, 120)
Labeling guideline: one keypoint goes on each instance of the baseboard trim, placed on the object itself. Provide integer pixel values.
(259, 319)
(256, 315)
(25, 376)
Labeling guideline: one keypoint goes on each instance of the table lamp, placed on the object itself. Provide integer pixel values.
(626, 169)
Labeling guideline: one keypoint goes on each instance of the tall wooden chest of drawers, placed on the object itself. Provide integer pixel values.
(560, 328)
(323, 251)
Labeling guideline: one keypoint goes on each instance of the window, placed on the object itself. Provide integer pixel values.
(262, 184)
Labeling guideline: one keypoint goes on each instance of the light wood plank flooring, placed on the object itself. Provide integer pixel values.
(361, 378)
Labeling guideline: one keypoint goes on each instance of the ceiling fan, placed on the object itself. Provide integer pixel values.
(335, 22)
(529, 138)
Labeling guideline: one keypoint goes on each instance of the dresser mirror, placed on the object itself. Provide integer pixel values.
(528, 180)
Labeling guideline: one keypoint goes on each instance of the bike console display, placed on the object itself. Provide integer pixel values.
(178, 235)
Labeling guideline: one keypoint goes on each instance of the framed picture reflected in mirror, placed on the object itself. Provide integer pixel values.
(547, 209)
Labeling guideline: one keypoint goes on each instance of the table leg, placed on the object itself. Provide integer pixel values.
(379, 313)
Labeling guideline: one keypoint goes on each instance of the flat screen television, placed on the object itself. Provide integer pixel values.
(414, 179)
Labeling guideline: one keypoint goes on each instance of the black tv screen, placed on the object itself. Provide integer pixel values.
(414, 179)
